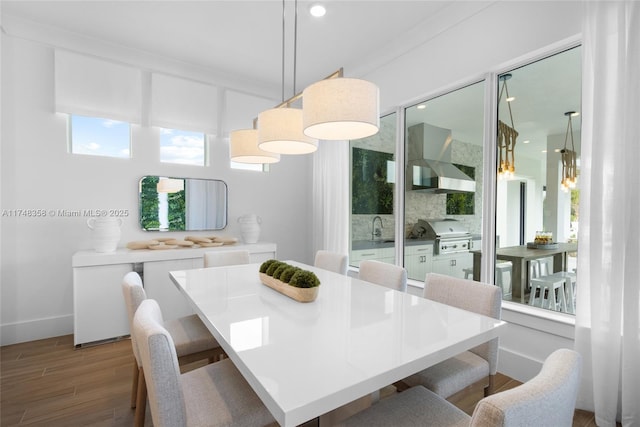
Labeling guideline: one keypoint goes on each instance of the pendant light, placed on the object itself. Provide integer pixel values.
(243, 148)
(569, 163)
(341, 109)
(280, 128)
(506, 136)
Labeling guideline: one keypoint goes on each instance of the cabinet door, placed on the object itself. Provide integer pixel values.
(99, 311)
(442, 265)
(453, 264)
(418, 262)
(158, 285)
(464, 261)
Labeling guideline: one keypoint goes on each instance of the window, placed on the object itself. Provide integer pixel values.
(531, 199)
(99, 137)
(443, 166)
(183, 147)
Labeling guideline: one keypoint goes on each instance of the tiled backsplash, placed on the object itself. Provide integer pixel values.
(428, 205)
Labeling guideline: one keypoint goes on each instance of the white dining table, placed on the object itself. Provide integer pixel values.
(307, 359)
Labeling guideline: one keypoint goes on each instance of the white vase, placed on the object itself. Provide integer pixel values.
(105, 233)
(250, 228)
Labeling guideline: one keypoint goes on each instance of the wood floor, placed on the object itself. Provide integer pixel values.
(50, 383)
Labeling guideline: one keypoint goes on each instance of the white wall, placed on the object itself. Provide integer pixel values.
(39, 173)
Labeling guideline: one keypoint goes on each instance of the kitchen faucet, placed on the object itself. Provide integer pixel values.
(376, 232)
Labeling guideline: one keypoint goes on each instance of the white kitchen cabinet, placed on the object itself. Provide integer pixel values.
(99, 311)
(378, 254)
(452, 264)
(418, 261)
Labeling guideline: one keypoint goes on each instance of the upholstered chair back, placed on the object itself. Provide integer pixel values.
(469, 295)
(331, 261)
(160, 364)
(134, 294)
(221, 258)
(385, 274)
(548, 399)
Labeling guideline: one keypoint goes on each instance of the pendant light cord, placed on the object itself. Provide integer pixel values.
(283, 25)
(295, 45)
(506, 89)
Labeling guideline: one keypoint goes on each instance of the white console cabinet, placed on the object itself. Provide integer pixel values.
(98, 305)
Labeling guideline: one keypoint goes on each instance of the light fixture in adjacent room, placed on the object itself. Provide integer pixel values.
(243, 148)
(569, 161)
(506, 137)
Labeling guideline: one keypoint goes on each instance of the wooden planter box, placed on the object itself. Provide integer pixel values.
(298, 294)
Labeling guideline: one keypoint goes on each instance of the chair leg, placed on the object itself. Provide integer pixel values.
(141, 403)
(134, 386)
(489, 390)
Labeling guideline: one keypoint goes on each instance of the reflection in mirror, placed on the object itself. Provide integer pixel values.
(182, 204)
(544, 107)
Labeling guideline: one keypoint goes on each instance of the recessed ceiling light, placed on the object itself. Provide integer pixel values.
(317, 10)
(511, 98)
(421, 107)
(544, 151)
(526, 141)
(557, 150)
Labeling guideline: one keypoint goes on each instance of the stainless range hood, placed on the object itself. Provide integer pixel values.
(429, 167)
(438, 177)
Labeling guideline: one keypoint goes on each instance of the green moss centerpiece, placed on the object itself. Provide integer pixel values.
(296, 283)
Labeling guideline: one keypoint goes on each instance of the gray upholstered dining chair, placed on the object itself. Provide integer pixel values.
(220, 258)
(385, 274)
(331, 261)
(548, 399)
(192, 340)
(477, 365)
(212, 395)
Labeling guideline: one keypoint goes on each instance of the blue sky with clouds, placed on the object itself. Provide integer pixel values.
(105, 137)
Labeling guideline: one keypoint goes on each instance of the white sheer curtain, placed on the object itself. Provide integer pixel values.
(331, 197)
(608, 300)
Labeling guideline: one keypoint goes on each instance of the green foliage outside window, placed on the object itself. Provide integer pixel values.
(462, 203)
(371, 193)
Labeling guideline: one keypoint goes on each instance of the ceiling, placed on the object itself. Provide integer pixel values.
(243, 40)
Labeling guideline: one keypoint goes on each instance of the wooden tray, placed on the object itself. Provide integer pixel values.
(532, 245)
(298, 294)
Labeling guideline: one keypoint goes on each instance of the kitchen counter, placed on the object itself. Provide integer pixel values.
(358, 245)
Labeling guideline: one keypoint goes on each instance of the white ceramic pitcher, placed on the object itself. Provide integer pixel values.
(250, 227)
(105, 233)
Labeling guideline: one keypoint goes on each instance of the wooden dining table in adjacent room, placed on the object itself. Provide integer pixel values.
(520, 257)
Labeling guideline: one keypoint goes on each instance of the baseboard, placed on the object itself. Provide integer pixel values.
(31, 330)
(517, 365)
